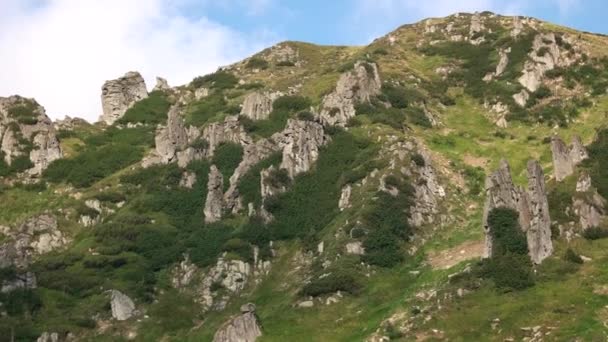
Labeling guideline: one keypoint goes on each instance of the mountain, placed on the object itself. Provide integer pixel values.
(446, 182)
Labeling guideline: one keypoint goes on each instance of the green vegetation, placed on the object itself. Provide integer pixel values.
(105, 153)
(257, 63)
(283, 108)
(209, 109)
(227, 157)
(24, 113)
(597, 164)
(151, 110)
(218, 80)
(509, 267)
(249, 185)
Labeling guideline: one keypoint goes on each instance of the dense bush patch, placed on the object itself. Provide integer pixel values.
(257, 63)
(218, 80)
(151, 110)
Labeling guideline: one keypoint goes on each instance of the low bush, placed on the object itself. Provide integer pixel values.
(227, 157)
(572, 256)
(337, 280)
(256, 63)
(151, 110)
(595, 233)
(218, 80)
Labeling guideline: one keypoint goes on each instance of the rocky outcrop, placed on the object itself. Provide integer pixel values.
(427, 192)
(29, 134)
(183, 273)
(242, 328)
(476, 29)
(214, 204)
(503, 61)
(538, 233)
(174, 142)
(344, 202)
(301, 142)
(531, 206)
(120, 94)
(566, 158)
(355, 247)
(161, 84)
(227, 278)
(588, 204)
(229, 130)
(188, 179)
(37, 235)
(358, 85)
(21, 280)
(123, 307)
(258, 105)
(545, 55)
(521, 98)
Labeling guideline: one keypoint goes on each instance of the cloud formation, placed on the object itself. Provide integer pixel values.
(61, 51)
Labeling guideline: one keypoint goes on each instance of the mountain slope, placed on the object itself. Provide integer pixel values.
(340, 190)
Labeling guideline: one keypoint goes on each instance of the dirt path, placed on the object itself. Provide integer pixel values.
(453, 256)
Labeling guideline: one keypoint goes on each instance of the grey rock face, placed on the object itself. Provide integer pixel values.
(161, 84)
(539, 230)
(531, 205)
(37, 235)
(588, 204)
(120, 94)
(566, 158)
(48, 337)
(521, 98)
(123, 307)
(545, 56)
(427, 192)
(183, 273)
(188, 179)
(258, 105)
(40, 132)
(353, 87)
(475, 29)
(242, 328)
(355, 247)
(301, 141)
(214, 203)
(344, 202)
(230, 130)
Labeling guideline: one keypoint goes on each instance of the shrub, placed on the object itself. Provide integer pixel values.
(218, 80)
(256, 63)
(292, 103)
(151, 110)
(207, 108)
(338, 280)
(380, 51)
(418, 159)
(306, 116)
(507, 236)
(227, 157)
(417, 116)
(509, 271)
(571, 256)
(475, 178)
(111, 196)
(251, 86)
(595, 233)
(278, 178)
(285, 63)
(240, 248)
(24, 113)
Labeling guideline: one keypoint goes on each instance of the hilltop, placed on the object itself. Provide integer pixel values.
(445, 182)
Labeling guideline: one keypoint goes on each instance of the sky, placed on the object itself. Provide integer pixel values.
(61, 51)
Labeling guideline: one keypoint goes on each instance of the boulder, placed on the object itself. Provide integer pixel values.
(355, 247)
(188, 180)
(214, 204)
(123, 307)
(427, 192)
(344, 202)
(120, 94)
(241, 328)
(355, 86)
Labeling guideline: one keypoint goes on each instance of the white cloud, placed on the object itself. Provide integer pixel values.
(61, 51)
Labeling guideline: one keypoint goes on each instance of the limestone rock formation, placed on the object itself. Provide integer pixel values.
(36, 129)
(427, 192)
(120, 94)
(539, 230)
(174, 140)
(355, 86)
(521, 98)
(476, 29)
(588, 204)
(502, 64)
(258, 105)
(531, 205)
(301, 141)
(123, 307)
(214, 204)
(161, 84)
(566, 158)
(188, 179)
(344, 202)
(355, 247)
(545, 55)
(242, 328)
(229, 130)
(183, 273)
(37, 235)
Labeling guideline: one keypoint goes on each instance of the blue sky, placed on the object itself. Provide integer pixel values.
(61, 51)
